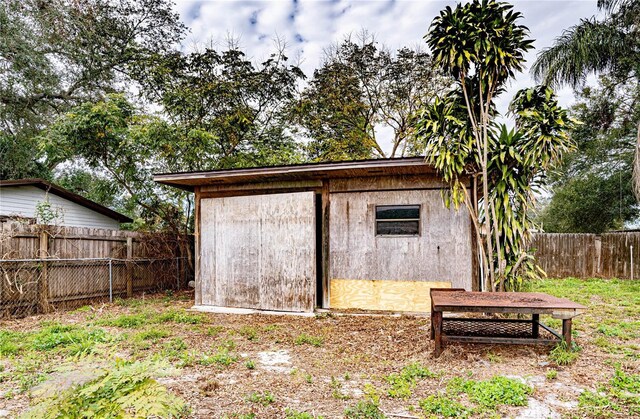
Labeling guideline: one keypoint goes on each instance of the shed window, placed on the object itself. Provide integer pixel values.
(398, 220)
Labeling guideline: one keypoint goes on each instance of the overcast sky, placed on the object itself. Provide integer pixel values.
(308, 26)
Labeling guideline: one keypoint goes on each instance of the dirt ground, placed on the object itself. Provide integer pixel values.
(322, 365)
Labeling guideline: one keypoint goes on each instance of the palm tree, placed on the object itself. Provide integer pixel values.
(607, 46)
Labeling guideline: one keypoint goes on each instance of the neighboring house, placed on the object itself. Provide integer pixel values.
(370, 234)
(40, 201)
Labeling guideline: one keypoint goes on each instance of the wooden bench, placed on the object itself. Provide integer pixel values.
(506, 331)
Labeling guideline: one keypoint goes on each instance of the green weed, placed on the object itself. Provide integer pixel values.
(152, 335)
(491, 393)
(561, 354)
(294, 414)
(303, 339)
(552, 374)
(364, 409)
(249, 332)
(402, 383)
(626, 382)
(76, 339)
(215, 330)
(337, 390)
(222, 358)
(251, 365)
(263, 398)
(443, 406)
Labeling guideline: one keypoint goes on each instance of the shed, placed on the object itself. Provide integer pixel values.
(371, 234)
(20, 198)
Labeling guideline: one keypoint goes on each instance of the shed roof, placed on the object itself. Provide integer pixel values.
(64, 193)
(307, 171)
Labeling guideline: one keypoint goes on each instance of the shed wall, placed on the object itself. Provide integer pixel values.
(441, 255)
(22, 201)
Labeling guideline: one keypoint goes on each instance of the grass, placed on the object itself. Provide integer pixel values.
(222, 358)
(561, 354)
(368, 354)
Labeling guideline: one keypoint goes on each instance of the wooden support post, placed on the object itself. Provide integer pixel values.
(535, 326)
(196, 264)
(436, 322)
(129, 266)
(43, 290)
(325, 243)
(566, 332)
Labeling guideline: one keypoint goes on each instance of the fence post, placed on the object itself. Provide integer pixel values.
(43, 253)
(111, 280)
(129, 267)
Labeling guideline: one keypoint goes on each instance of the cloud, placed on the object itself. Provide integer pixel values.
(310, 26)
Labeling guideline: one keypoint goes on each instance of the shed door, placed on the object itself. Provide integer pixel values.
(259, 251)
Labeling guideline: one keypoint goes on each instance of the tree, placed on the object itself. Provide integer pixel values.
(609, 46)
(229, 111)
(360, 90)
(601, 168)
(481, 45)
(57, 54)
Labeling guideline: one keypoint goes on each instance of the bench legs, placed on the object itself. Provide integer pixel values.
(436, 326)
(535, 326)
(566, 332)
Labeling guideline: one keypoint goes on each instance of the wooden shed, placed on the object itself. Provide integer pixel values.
(370, 235)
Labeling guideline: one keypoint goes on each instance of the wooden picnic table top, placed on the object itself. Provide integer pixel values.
(504, 302)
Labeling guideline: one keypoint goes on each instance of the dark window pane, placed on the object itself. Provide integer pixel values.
(395, 212)
(398, 228)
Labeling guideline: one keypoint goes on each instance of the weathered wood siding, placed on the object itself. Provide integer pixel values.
(258, 251)
(610, 255)
(442, 253)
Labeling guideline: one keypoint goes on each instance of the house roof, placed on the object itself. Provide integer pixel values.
(64, 193)
(307, 171)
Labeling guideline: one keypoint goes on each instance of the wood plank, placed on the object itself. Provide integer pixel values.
(412, 296)
(254, 187)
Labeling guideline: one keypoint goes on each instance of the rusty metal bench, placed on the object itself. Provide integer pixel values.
(505, 331)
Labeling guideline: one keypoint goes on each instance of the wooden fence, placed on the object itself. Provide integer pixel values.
(610, 255)
(46, 267)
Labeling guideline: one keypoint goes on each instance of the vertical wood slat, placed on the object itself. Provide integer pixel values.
(588, 255)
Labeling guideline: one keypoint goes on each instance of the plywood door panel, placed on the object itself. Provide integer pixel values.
(259, 251)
